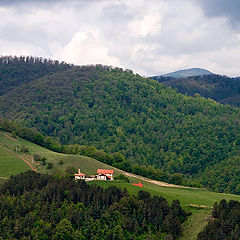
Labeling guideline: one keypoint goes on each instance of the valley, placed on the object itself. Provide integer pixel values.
(198, 201)
(100, 117)
(119, 120)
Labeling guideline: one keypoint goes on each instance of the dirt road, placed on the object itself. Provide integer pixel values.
(13, 153)
(159, 183)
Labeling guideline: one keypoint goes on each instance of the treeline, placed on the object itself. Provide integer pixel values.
(224, 222)
(15, 71)
(114, 159)
(35, 206)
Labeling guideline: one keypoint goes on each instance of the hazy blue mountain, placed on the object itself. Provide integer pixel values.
(187, 73)
(223, 89)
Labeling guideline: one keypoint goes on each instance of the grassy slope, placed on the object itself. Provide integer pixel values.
(10, 165)
(193, 225)
(87, 164)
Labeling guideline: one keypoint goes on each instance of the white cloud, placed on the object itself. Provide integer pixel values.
(151, 37)
(87, 48)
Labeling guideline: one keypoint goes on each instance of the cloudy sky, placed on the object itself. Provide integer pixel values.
(148, 36)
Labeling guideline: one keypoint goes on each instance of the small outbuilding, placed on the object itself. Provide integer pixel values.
(79, 175)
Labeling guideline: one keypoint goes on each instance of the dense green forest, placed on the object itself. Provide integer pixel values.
(35, 206)
(222, 89)
(224, 222)
(148, 123)
(115, 159)
(15, 71)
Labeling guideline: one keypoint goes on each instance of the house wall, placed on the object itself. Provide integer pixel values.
(79, 177)
(101, 177)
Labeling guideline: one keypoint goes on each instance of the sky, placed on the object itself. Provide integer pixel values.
(151, 37)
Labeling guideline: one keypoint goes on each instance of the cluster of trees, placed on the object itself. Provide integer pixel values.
(222, 89)
(117, 111)
(43, 161)
(42, 207)
(122, 177)
(225, 222)
(15, 71)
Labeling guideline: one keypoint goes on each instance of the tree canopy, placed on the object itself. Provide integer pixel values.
(35, 206)
(149, 124)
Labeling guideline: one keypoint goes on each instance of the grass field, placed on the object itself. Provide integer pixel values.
(88, 165)
(10, 165)
(186, 196)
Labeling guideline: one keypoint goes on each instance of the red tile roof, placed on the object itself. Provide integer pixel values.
(79, 174)
(105, 171)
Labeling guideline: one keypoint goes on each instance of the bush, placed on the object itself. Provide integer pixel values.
(70, 170)
(122, 178)
(24, 149)
(43, 160)
(60, 162)
(50, 166)
(37, 157)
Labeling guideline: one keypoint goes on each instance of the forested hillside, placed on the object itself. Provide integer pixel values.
(38, 206)
(150, 124)
(15, 71)
(222, 89)
(224, 223)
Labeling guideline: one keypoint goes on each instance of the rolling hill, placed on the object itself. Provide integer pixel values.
(15, 71)
(186, 73)
(222, 89)
(150, 124)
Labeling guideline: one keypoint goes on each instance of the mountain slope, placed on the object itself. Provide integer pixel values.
(88, 165)
(15, 71)
(188, 197)
(150, 124)
(186, 73)
(223, 89)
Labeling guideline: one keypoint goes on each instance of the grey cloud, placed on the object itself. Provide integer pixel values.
(17, 2)
(227, 8)
(150, 37)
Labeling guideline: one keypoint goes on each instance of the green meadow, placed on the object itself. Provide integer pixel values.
(10, 165)
(198, 201)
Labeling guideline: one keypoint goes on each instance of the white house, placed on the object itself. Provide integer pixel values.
(79, 175)
(105, 174)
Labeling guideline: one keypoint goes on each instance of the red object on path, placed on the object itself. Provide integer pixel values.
(138, 184)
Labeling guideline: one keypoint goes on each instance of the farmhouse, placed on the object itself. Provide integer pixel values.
(102, 174)
(105, 174)
(79, 175)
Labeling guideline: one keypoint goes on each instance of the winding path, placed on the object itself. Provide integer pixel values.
(159, 183)
(20, 157)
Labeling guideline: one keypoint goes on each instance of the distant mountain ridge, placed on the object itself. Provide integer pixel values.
(223, 89)
(187, 73)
